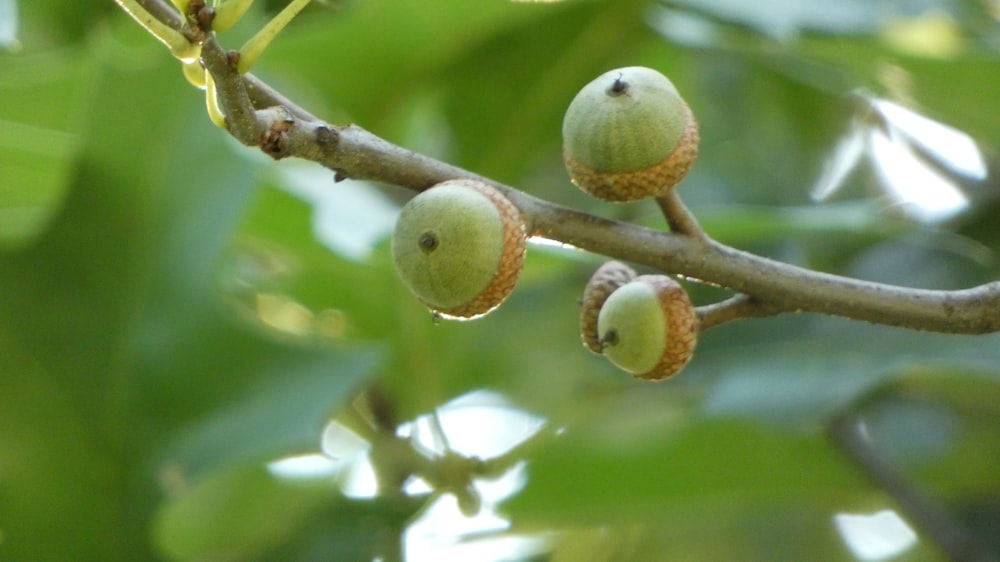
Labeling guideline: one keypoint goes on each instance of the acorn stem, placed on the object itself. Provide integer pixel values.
(679, 218)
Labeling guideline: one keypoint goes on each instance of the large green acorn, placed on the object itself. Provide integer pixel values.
(648, 327)
(628, 135)
(459, 247)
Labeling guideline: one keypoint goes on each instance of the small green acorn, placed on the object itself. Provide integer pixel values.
(602, 283)
(648, 327)
(459, 247)
(629, 135)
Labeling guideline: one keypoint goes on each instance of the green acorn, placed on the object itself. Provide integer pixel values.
(628, 135)
(459, 247)
(648, 327)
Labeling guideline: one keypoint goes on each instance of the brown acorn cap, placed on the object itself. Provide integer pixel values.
(602, 283)
(511, 261)
(634, 185)
(683, 327)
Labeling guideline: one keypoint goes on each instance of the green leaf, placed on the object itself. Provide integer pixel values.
(122, 337)
(941, 421)
(414, 41)
(54, 470)
(784, 19)
(800, 371)
(246, 513)
(756, 225)
(282, 413)
(38, 148)
(597, 474)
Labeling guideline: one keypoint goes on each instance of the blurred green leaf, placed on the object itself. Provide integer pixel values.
(38, 147)
(250, 511)
(599, 473)
(940, 422)
(761, 533)
(117, 324)
(372, 50)
(54, 471)
(247, 513)
(785, 18)
(284, 414)
(803, 377)
(756, 225)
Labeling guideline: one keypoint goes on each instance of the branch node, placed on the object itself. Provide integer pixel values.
(205, 16)
(193, 27)
(327, 138)
(274, 141)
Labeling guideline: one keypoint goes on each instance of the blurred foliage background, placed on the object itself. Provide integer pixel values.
(178, 313)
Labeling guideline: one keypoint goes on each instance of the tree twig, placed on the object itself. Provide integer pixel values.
(735, 308)
(283, 129)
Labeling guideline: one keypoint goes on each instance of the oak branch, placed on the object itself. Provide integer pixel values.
(259, 116)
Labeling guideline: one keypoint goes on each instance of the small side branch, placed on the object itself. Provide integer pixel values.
(241, 116)
(162, 22)
(738, 307)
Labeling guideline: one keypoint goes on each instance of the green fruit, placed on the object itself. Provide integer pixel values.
(628, 135)
(459, 247)
(648, 327)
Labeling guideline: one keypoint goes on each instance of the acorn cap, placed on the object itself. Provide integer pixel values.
(459, 247)
(602, 283)
(628, 135)
(649, 327)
